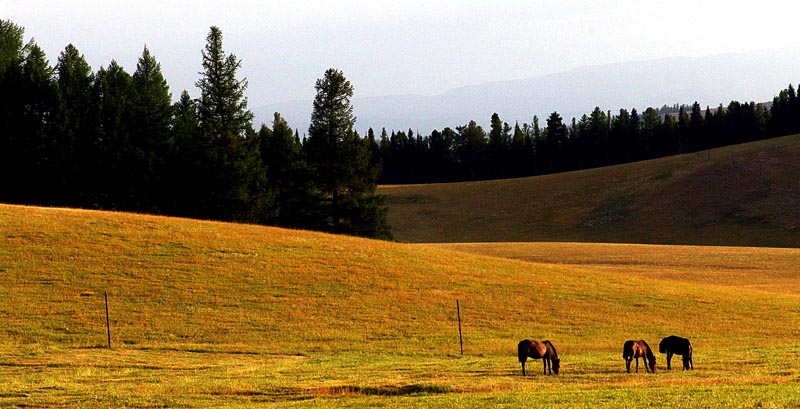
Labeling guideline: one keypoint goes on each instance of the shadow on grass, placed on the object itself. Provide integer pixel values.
(405, 390)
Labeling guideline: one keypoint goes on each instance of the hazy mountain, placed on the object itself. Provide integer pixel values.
(755, 76)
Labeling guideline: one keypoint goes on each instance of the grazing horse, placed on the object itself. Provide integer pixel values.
(638, 349)
(544, 350)
(679, 346)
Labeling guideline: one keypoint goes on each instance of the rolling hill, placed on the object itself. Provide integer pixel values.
(745, 195)
(215, 314)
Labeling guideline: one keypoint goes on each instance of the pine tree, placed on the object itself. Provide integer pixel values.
(75, 130)
(341, 163)
(232, 178)
(10, 46)
(184, 164)
(295, 200)
(112, 169)
(151, 139)
(38, 102)
(11, 107)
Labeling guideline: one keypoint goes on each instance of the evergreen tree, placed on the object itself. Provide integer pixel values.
(232, 178)
(113, 166)
(10, 46)
(75, 126)
(498, 148)
(696, 139)
(295, 200)
(11, 107)
(151, 138)
(651, 126)
(470, 149)
(555, 142)
(185, 163)
(341, 163)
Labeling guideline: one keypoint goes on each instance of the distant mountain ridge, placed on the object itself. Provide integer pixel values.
(745, 77)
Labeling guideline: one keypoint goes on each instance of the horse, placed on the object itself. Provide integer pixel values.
(638, 349)
(544, 350)
(679, 346)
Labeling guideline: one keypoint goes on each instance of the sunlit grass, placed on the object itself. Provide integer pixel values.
(213, 314)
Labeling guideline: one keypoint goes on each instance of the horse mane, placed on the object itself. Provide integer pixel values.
(649, 351)
(553, 348)
(522, 350)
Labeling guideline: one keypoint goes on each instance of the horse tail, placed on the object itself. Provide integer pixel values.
(522, 350)
(662, 346)
(552, 348)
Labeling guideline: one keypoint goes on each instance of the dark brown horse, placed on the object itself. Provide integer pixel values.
(544, 350)
(638, 349)
(678, 346)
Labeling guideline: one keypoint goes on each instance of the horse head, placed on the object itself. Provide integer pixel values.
(555, 365)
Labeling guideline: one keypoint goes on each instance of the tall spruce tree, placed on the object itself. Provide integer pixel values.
(75, 126)
(295, 200)
(341, 161)
(234, 184)
(112, 169)
(151, 139)
(10, 108)
(184, 163)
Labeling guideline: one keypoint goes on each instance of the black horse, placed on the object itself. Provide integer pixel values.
(544, 350)
(678, 346)
(638, 349)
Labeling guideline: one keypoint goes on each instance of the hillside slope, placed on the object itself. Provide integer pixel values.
(745, 195)
(214, 314)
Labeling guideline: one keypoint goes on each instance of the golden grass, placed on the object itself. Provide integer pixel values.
(744, 195)
(214, 314)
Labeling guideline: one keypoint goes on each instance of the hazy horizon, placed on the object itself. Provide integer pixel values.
(413, 48)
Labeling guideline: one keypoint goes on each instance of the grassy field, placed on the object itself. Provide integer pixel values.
(210, 314)
(743, 195)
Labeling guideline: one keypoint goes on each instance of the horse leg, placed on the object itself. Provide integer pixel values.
(637, 364)
(545, 365)
(523, 368)
(669, 358)
(628, 363)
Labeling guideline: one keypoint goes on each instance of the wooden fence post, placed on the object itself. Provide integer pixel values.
(460, 338)
(108, 321)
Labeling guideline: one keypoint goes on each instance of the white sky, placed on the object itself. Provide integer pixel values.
(399, 47)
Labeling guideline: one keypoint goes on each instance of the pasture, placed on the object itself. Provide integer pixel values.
(742, 195)
(208, 314)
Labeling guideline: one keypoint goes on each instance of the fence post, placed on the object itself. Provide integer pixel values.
(108, 321)
(460, 338)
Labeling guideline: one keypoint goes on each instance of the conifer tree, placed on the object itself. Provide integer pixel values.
(295, 200)
(151, 138)
(341, 162)
(75, 125)
(231, 176)
(112, 168)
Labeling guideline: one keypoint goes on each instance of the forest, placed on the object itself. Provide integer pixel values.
(112, 140)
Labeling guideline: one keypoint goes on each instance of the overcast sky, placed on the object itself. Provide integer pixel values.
(400, 47)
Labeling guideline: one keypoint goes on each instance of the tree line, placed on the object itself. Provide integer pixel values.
(113, 140)
(600, 138)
